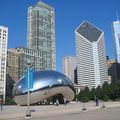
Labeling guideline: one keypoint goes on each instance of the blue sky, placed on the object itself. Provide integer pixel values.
(68, 15)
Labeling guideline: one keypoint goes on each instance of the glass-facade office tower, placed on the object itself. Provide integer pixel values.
(116, 34)
(3, 56)
(91, 56)
(41, 34)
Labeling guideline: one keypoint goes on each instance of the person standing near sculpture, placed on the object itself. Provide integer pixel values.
(65, 101)
(1, 103)
(57, 102)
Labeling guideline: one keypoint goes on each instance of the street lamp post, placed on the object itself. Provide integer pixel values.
(28, 113)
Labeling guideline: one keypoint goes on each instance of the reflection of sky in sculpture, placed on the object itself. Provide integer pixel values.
(42, 80)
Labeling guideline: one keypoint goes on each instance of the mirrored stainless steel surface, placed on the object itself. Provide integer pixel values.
(45, 84)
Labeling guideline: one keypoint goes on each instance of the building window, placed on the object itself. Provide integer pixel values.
(4, 31)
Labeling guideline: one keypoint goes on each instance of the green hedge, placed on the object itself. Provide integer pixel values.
(9, 101)
(105, 92)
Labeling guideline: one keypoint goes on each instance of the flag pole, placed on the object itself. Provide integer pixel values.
(28, 113)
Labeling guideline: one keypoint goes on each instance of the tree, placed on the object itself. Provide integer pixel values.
(117, 90)
(92, 94)
(85, 99)
(9, 86)
(106, 91)
(9, 101)
(98, 92)
(113, 88)
(105, 98)
(80, 95)
(84, 95)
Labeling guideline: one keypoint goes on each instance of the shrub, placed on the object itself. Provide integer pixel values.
(9, 101)
(105, 98)
(84, 99)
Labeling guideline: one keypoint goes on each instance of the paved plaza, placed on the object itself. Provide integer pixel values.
(69, 112)
(108, 114)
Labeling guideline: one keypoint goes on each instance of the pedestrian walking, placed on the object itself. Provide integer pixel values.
(57, 102)
(76, 100)
(1, 104)
(97, 101)
(65, 101)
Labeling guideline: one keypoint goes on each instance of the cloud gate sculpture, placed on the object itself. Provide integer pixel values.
(46, 84)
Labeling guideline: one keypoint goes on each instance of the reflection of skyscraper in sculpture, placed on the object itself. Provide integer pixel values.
(116, 34)
(91, 57)
(3, 56)
(41, 35)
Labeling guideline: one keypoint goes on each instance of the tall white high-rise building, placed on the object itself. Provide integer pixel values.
(91, 56)
(41, 33)
(3, 56)
(116, 35)
(69, 67)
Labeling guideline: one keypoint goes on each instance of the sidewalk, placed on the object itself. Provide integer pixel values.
(11, 112)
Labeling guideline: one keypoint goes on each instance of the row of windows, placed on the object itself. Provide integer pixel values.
(3, 38)
(2, 68)
(3, 34)
(2, 79)
(27, 51)
(4, 31)
(1, 92)
(2, 71)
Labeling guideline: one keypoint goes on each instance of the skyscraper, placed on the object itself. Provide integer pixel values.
(91, 56)
(3, 56)
(41, 32)
(116, 34)
(17, 61)
(13, 61)
(69, 67)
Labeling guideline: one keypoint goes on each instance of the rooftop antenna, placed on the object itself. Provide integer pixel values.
(117, 15)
